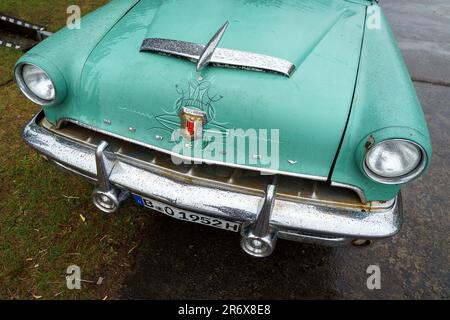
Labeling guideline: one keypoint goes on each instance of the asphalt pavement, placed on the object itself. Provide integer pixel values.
(178, 260)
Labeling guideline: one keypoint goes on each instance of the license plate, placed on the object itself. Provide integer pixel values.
(186, 215)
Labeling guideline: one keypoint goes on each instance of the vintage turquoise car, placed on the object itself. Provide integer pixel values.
(292, 119)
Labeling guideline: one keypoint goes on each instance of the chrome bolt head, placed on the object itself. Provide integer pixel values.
(259, 247)
(107, 202)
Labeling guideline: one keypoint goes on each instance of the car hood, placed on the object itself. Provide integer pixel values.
(138, 95)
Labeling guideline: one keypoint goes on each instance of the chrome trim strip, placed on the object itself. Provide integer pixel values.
(251, 61)
(210, 54)
(73, 171)
(318, 240)
(181, 49)
(288, 218)
(195, 160)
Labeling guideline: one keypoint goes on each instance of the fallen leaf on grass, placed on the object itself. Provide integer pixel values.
(132, 249)
(70, 198)
(124, 265)
(86, 281)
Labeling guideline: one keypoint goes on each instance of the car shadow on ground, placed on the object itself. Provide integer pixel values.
(194, 262)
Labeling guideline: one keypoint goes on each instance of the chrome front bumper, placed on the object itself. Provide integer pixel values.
(263, 216)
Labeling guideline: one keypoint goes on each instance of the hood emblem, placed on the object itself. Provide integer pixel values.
(194, 112)
(192, 123)
(212, 55)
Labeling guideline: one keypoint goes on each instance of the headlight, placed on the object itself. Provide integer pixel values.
(35, 83)
(394, 161)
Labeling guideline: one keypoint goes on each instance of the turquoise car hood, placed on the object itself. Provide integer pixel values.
(138, 95)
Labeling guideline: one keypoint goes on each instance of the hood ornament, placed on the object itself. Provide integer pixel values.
(211, 54)
(206, 56)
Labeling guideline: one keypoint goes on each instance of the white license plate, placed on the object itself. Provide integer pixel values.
(187, 215)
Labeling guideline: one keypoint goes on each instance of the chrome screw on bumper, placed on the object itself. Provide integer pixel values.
(106, 197)
(258, 239)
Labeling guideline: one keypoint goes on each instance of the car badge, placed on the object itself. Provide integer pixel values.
(192, 123)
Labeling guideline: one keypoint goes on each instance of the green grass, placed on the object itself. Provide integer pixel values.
(42, 231)
(51, 14)
(7, 59)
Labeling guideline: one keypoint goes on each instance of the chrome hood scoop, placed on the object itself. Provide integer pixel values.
(211, 54)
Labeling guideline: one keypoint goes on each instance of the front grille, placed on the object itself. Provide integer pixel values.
(217, 176)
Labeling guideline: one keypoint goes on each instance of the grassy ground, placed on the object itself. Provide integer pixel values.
(47, 221)
(7, 59)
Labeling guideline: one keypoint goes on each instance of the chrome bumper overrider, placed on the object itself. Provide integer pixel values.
(264, 218)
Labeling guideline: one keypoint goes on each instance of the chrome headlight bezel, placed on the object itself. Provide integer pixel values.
(400, 179)
(18, 75)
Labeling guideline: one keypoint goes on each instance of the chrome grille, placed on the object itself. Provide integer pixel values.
(217, 176)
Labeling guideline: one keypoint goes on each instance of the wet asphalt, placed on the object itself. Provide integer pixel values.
(178, 260)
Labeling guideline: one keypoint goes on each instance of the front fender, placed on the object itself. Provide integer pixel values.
(385, 106)
(66, 51)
